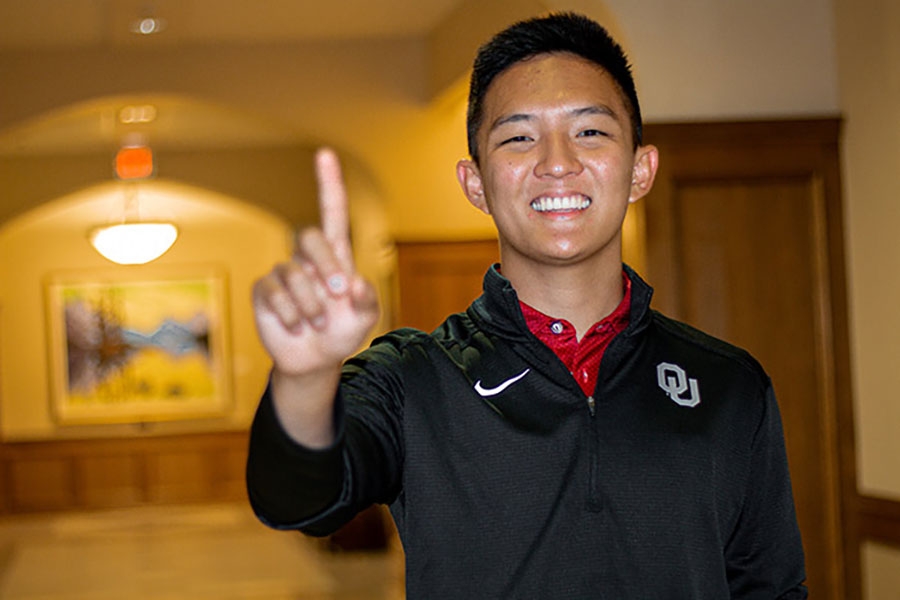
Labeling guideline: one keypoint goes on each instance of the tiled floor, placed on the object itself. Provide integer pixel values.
(213, 552)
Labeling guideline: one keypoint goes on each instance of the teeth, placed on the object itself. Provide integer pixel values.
(546, 204)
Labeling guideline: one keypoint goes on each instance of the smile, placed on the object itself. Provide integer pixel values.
(564, 203)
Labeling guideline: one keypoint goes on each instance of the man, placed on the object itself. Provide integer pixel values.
(559, 439)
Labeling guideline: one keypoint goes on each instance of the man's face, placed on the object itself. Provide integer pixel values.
(557, 168)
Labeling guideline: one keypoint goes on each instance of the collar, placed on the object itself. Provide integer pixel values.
(498, 310)
(548, 329)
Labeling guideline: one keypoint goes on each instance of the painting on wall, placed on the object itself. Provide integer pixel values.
(126, 348)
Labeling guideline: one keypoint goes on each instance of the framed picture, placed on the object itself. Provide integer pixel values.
(138, 346)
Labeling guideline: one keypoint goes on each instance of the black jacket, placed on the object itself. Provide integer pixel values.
(505, 481)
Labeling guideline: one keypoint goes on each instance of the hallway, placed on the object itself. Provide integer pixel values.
(201, 552)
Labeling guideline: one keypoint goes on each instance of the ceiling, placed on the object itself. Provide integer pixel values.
(29, 25)
(33, 24)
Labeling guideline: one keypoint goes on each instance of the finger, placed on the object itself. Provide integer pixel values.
(364, 298)
(307, 292)
(292, 295)
(271, 297)
(317, 253)
(333, 207)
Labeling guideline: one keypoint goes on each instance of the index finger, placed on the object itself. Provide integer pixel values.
(333, 208)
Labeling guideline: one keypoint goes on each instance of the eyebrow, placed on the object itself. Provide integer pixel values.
(597, 109)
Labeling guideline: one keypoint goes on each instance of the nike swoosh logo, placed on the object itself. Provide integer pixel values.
(486, 392)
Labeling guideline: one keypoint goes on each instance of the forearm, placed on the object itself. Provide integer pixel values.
(292, 485)
(288, 483)
(304, 405)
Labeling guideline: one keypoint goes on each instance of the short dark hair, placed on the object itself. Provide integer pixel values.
(559, 32)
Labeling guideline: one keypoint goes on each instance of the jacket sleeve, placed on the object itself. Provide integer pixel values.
(764, 556)
(288, 484)
(318, 491)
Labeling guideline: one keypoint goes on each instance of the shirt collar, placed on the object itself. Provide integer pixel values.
(539, 323)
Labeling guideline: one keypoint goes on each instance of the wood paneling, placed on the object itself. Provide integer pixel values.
(440, 278)
(879, 520)
(41, 483)
(109, 481)
(105, 473)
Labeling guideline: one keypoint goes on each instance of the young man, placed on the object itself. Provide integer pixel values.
(559, 439)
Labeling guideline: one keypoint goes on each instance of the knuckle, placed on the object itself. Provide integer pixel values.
(309, 239)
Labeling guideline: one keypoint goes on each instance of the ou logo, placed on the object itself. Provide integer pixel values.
(674, 382)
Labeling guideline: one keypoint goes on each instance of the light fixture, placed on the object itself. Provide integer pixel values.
(133, 241)
(148, 25)
(137, 114)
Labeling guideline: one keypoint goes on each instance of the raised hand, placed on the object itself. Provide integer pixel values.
(314, 311)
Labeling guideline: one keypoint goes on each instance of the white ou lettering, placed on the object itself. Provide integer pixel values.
(674, 382)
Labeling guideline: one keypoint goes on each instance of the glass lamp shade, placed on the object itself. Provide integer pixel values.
(133, 243)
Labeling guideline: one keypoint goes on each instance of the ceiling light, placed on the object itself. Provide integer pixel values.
(133, 113)
(133, 243)
(147, 26)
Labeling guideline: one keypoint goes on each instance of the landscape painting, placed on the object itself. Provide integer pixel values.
(135, 350)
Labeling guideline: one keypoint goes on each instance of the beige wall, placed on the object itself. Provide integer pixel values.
(881, 577)
(869, 68)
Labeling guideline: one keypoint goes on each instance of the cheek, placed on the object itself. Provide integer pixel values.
(513, 173)
(504, 181)
(615, 171)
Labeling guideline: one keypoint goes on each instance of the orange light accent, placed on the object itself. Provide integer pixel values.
(134, 162)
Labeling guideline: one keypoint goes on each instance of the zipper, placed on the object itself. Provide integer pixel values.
(594, 502)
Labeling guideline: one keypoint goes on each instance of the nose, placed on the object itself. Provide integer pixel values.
(558, 158)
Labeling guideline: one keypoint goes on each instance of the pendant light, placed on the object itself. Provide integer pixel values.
(133, 241)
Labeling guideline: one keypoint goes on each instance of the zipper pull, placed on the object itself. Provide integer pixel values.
(592, 405)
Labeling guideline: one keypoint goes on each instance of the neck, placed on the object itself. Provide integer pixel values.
(582, 294)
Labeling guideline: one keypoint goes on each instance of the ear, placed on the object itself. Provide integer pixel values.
(469, 176)
(646, 161)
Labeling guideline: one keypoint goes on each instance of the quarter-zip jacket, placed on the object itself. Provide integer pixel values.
(506, 481)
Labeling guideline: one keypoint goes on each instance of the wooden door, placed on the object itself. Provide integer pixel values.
(743, 241)
(440, 278)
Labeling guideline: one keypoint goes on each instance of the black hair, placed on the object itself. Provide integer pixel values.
(559, 32)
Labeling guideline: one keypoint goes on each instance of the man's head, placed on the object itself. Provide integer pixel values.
(564, 32)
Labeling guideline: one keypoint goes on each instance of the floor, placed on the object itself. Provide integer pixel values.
(204, 552)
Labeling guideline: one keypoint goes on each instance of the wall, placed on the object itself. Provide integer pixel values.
(869, 68)
(215, 230)
(708, 60)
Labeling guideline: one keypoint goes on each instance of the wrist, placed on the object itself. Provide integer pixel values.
(304, 404)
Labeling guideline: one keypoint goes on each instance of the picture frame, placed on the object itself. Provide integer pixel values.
(138, 346)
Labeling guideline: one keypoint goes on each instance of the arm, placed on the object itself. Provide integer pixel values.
(311, 313)
(764, 557)
(288, 483)
(317, 491)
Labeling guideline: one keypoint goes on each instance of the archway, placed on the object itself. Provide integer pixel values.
(236, 187)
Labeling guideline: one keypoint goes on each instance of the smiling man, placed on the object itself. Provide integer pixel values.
(559, 439)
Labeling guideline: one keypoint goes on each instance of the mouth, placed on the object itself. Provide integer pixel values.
(575, 202)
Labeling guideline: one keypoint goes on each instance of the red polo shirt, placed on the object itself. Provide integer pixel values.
(581, 357)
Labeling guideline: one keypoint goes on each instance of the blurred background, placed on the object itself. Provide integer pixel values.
(773, 225)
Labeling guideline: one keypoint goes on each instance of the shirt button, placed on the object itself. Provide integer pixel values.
(557, 327)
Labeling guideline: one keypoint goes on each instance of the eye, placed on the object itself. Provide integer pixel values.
(516, 139)
(592, 133)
